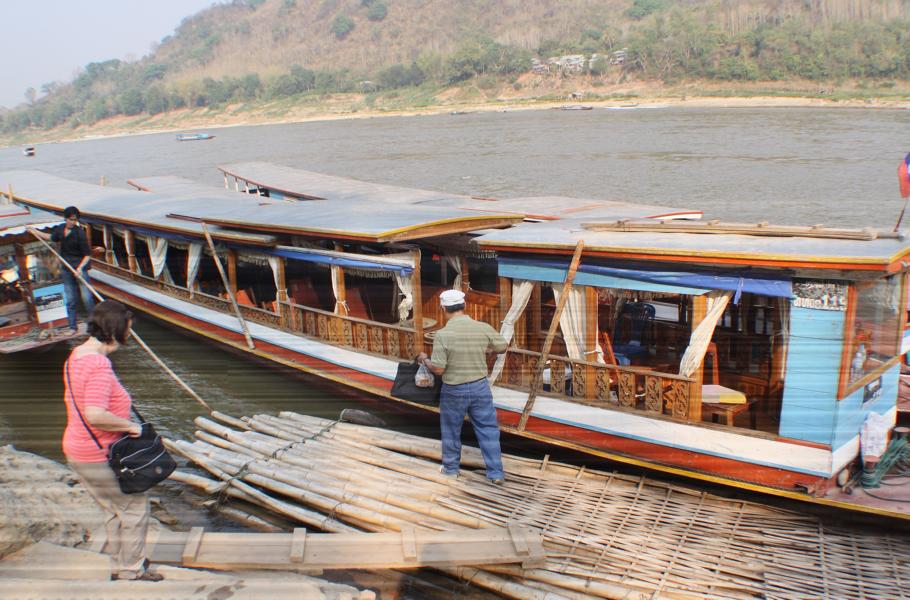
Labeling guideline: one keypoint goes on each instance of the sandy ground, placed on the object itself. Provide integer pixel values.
(46, 520)
(531, 96)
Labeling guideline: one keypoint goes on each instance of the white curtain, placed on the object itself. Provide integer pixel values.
(341, 306)
(406, 285)
(455, 263)
(521, 292)
(701, 336)
(158, 254)
(572, 323)
(194, 256)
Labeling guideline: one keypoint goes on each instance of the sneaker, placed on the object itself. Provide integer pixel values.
(498, 481)
(447, 474)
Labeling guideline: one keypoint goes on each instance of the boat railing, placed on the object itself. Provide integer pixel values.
(610, 386)
(387, 339)
(391, 340)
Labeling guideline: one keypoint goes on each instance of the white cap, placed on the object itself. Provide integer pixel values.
(451, 298)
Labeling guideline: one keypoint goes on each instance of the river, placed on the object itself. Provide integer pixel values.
(790, 166)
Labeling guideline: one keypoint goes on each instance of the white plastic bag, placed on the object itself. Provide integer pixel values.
(424, 378)
(874, 435)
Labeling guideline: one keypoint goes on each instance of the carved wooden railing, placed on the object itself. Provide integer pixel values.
(632, 388)
(364, 335)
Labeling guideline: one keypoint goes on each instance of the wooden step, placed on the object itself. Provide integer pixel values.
(316, 552)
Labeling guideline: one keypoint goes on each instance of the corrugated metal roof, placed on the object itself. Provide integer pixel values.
(14, 219)
(353, 219)
(565, 234)
(308, 184)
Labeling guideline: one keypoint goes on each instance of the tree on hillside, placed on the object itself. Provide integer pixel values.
(378, 11)
(31, 95)
(342, 26)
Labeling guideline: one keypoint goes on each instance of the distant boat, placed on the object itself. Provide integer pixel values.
(192, 137)
(575, 107)
(460, 112)
(28, 151)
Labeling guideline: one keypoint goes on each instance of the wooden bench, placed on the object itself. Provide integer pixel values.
(728, 412)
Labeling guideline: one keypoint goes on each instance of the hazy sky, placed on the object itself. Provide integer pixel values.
(48, 40)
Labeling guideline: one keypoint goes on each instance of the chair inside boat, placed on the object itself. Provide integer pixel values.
(633, 331)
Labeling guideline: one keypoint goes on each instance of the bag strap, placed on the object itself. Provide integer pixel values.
(69, 386)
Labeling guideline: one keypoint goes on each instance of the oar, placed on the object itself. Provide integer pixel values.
(227, 286)
(554, 324)
(135, 335)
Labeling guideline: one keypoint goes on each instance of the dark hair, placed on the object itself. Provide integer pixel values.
(69, 211)
(454, 308)
(109, 322)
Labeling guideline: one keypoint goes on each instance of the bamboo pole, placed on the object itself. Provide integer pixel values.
(134, 335)
(228, 287)
(548, 342)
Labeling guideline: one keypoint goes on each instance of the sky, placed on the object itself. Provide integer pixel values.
(49, 40)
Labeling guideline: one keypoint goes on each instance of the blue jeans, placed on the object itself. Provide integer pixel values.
(73, 290)
(475, 400)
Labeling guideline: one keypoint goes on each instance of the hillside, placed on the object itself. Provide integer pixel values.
(412, 53)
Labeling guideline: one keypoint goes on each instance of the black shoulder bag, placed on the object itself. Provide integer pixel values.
(138, 463)
(405, 388)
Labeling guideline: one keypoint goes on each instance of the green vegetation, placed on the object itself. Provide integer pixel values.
(421, 48)
(342, 26)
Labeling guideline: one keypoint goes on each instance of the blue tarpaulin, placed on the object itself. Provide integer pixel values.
(326, 259)
(646, 279)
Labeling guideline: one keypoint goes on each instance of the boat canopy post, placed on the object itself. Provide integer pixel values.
(338, 287)
(592, 347)
(281, 293)
(130, 242)
(418, 302)
(25, 281)
(231, 271)
(699, 311)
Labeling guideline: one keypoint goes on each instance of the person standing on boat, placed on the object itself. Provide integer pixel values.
(460, 357)
(75, 249)
(97, 415)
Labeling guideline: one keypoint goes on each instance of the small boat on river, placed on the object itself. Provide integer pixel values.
(32, 298)
(757, 356)
(193, 137)
(28, 151)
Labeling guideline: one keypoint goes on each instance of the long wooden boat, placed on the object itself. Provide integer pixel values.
(194, 137)
(754, 356)
(32, 298)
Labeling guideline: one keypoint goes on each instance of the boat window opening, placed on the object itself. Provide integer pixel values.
(119, 245)
(876, 322)
(372, 298)
(309, 284)
(255, 284)
(10, 288)
(483, 274)
(176, 262)
(43, 266)
(143, 258)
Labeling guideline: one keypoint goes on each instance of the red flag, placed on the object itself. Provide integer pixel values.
(903, 175)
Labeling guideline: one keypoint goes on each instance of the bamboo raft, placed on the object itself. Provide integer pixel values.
(606, 535)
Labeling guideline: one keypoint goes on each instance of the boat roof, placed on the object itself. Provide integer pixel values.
(14, 219)
(183, 213)
(560, 237)
(309, 185)
(172, 184)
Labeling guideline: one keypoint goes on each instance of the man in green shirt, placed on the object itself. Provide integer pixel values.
(460, 357)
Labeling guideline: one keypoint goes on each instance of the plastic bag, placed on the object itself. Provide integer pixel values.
(423, 378)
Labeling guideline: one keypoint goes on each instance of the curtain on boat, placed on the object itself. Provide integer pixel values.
(406, 287)
(521, 292)
(454, 262)
(701, 336)
(572, 323)
(782, 338)
(193, 258)
(158, 254)
(341, 306)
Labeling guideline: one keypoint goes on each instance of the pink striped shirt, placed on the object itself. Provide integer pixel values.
(93, 384)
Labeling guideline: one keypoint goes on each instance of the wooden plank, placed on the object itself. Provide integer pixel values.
(409, 543)
(230, 282)
(313, 552)
(193, 542)
(548, 342)
(759, 229)
(519, 541)
(298, 544)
